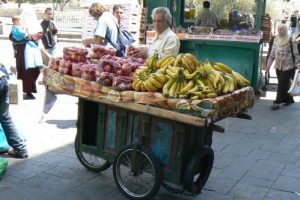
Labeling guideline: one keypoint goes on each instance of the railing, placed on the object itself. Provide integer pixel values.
(69, 20)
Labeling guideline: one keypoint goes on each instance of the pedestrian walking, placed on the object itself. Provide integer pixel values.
(286, 56)
(28, 76)
(49, 41)
(49, 29)
(12, 135)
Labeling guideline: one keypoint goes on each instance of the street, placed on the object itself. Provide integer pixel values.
(255, 159)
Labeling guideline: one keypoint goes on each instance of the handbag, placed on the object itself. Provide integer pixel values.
(33, 56)
(295, 87)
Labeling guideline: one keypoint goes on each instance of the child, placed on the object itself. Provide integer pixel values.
(19, 33)
(33, 55)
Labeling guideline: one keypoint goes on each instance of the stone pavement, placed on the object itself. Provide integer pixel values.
(255, 159)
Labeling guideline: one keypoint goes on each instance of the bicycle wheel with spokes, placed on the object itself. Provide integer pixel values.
(90, 161)
(137, 173)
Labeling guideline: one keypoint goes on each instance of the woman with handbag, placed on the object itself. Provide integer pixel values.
(28, 76)
(286, 56)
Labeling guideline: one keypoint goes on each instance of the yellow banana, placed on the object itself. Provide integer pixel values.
(143, 89)
(171, 73)
(166, 87)
(191, 64)
(230, 82)
(155, 83)
(211, 95)
(162, 60)
(224, 67)
(149, 87)
(187, 87)
(195, 97)
(243, 80)
(186, 65)
(194, 89)
(189, 76)
(178, 62)
(173, 89)
(138, 86)
(160, 77)
(169, 61)
(192, 58)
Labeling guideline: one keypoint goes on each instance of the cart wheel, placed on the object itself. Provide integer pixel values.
(198, 169)
(139, 177)
(91, 162)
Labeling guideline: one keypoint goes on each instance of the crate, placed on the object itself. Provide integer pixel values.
(15, 91)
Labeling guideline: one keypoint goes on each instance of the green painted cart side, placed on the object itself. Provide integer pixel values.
(106, 130)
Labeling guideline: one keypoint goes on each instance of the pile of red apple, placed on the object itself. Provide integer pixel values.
(108, 71)
(75, 54)
(98, 51)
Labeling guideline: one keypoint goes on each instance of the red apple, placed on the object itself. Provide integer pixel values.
(108, 68)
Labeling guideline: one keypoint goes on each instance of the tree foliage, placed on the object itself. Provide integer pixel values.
(223, 7)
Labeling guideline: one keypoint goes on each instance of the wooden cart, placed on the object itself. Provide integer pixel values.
(147, 145)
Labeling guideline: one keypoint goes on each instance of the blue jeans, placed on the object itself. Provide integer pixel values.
(10, 130)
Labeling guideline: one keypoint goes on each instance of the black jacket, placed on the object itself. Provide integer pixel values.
(50, 31)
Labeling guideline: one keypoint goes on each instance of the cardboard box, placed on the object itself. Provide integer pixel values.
(15, 91)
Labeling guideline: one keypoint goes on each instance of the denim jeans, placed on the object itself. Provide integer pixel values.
(10, 130)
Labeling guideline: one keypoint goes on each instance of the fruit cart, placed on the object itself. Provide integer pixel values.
(147, 145)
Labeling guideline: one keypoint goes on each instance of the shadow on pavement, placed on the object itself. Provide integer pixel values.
(63, 124)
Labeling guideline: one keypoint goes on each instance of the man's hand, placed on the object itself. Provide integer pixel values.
(140, 52)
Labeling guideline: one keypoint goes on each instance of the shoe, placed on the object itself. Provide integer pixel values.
(275, 106)
(5, 150)
(16, 154)
(288, 103)
(28, 96)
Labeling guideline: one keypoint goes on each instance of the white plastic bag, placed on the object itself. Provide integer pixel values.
(295, 87)
(33, 56)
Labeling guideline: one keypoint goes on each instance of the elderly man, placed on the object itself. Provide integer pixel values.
(166, 41)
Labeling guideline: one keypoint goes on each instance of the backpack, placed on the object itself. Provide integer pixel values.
(124, 38)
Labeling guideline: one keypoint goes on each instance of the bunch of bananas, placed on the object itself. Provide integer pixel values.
(186, 61)
(241, 81)
(186, 77)
(147, 81)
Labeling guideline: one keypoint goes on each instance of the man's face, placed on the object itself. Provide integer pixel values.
(48, 15)
(118, 13)
(159, 23)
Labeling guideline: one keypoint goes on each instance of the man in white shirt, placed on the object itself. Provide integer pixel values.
(166, 41)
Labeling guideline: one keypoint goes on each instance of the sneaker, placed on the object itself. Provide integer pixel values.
(16, 154)
(288, 103)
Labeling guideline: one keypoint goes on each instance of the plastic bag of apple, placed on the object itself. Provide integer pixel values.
(109, 70)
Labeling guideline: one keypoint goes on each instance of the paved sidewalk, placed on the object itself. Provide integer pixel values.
(257, 159)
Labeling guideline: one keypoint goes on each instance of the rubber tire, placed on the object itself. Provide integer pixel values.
(204, 156)
(157, 169)
(86, 163)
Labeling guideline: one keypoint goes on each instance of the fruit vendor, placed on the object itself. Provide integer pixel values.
(166, 41)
